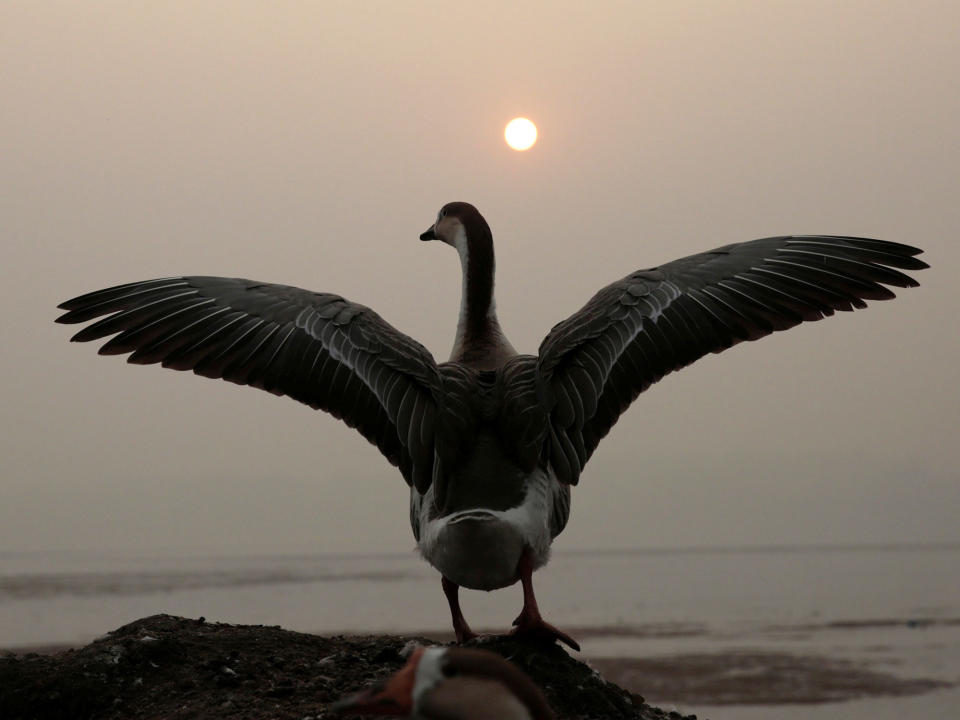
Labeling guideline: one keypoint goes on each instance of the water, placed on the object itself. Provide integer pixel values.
(890, 609)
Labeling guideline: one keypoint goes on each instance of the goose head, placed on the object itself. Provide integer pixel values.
(458, 223)
(452, 684)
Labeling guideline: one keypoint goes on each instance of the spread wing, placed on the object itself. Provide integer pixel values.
(652, 322)
(317, 348)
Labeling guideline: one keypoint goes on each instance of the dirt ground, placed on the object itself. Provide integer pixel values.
(177, 668)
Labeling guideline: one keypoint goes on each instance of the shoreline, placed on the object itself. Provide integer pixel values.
(588, 632)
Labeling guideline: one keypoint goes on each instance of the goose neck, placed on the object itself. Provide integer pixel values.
(477, 305)
(479, 341)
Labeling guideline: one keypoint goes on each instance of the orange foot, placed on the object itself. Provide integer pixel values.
(530, 626)
(464, 633)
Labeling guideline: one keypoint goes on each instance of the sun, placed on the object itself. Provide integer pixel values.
(520, 134)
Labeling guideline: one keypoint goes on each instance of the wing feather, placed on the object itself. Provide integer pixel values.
(317, 348)
(653, 322)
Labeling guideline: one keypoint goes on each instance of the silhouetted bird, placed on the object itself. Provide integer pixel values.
(491, 441)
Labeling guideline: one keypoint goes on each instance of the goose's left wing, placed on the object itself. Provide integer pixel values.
(652, 322)
(318, 348)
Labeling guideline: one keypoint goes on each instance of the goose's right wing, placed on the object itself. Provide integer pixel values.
(317, 348)
(652, 322)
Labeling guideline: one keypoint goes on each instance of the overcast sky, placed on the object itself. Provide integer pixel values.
(311, 143)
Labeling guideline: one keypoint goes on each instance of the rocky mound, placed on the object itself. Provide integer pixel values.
(174, 668)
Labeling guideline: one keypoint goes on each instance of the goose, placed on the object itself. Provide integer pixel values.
(491, 441)
(452, 683)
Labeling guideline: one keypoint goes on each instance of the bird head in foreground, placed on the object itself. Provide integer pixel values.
(452, 684)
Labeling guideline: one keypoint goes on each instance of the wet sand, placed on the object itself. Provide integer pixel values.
(760, 678)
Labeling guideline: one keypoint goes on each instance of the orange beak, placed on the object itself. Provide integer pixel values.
(394, 696)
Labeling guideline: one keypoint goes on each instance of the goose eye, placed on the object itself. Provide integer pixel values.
(450, 671)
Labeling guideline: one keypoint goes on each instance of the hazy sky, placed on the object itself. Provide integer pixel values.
(310, 143)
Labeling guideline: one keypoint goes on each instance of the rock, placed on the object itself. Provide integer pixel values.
(183, 673)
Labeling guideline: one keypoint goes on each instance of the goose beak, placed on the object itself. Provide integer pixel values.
(393, 696)
(383, 699)
(430, 234)
(377, 700)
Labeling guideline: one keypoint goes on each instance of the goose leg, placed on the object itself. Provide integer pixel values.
(460, 627)
(529, 623)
